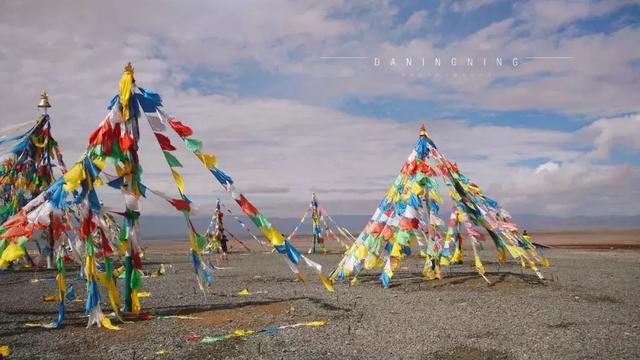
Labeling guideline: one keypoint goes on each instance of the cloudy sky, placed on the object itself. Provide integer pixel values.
(298, 96)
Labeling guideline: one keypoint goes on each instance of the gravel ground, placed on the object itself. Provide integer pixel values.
(587, 308)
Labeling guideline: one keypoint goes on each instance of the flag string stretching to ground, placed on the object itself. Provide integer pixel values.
(321, 224)
(268, 330)
(410, 210)
(158, 119)
(216, 232)
(115, 142)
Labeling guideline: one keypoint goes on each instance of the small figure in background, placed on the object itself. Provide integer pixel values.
(223, 244)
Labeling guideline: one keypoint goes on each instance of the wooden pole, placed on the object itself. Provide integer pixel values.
(314, 218)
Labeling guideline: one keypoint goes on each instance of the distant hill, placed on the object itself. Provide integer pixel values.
(541, 222)
(173, 227)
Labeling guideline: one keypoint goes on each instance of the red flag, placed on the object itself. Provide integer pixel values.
(180, 204)
(180, 128)
(407, 224)
(247, 207)
(377, 229)
(424, 168)
(125, 142)
(106, 248)
(387, 233)
(137, 262)
(87, 227)
(102, 135)
(165, 143)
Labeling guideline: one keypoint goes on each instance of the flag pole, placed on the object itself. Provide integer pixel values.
(43, 105)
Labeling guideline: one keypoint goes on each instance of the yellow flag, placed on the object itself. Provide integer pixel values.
(428, 272)
(370, 262)
(435, 196)
(90, 267)
(4, 350)
(244, 292)
(395, 250)
(479, 265)
(179, 180)
(119, 170)
(326, 283)
(61, 286)
(12, 252)
(316, 323)
(49, 298)
(361, 252)
(390, 192)
(457, 256)
(515, 251)
(417, 189)
(107, 324)
(32, 325)
(73, 177)
(241, 332)
(209, 160)
(99, 163)
(114, 297)
(273, 235)
(126, 82)
(135, 302)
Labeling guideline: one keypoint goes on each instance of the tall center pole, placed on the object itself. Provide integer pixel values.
(219, 222)
(427, 209)
(314, 217)
(427, 206)
(132, 186)
(44, 105)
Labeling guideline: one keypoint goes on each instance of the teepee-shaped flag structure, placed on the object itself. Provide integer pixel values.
(216, 232)
(115, 143)
(323, 227)
(29, 154)
(410, 210)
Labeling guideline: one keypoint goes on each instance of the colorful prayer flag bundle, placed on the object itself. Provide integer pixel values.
(410, 210)
(28, 156)
(115, 142)
(216, 233)
(323, 227)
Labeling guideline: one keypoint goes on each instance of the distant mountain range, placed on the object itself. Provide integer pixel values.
(173, 227)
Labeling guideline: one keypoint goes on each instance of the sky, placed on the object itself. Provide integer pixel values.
(302, 96)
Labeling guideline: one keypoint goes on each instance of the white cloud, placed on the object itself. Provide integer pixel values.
(278, 150)
(467, 6)
(416, 21)
(549, 166)
(548, 15)
(622, 132)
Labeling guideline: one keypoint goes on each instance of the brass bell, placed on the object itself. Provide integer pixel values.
(44, 101)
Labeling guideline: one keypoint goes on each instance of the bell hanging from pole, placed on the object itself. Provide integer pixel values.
(44, 102)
